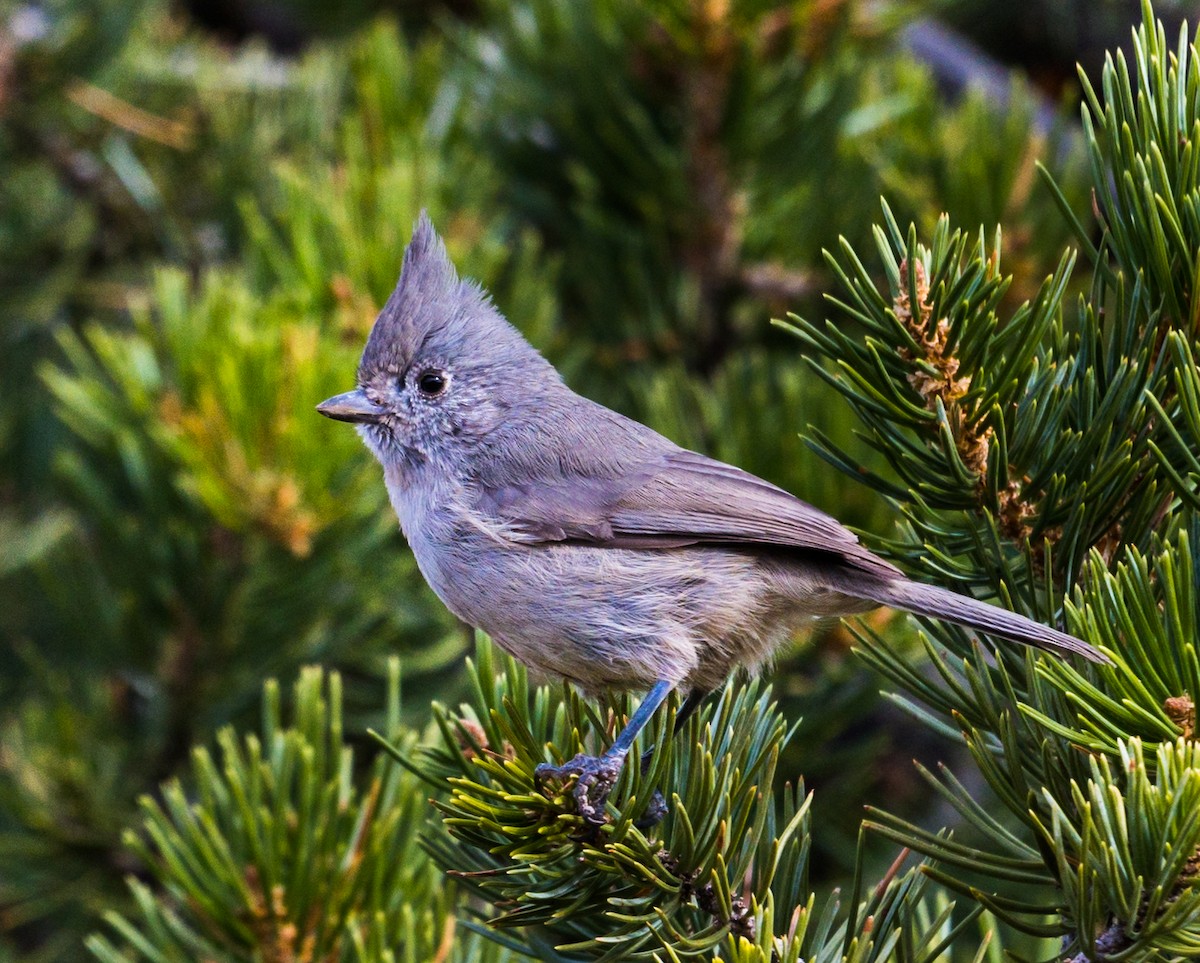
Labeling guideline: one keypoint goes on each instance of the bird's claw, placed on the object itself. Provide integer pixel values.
(654, 813)
(595, 777)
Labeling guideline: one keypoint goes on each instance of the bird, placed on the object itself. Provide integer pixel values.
(587, 545)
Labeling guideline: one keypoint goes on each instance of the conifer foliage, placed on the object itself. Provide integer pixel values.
(1032, 451)
(1017, 377)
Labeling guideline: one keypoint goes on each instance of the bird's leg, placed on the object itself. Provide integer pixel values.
(658, 806)
(694, 699)
(596, 775)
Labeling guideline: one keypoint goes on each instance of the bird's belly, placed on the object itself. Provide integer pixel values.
(607, 617)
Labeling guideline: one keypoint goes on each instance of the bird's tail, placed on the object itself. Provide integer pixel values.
(940, 603)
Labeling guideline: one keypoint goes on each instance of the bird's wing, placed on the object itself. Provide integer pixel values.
(678, 498)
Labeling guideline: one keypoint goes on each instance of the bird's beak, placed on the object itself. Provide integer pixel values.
(352, 406)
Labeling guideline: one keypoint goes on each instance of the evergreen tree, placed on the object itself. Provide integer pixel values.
(187, 525)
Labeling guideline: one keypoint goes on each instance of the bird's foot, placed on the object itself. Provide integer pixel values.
(655, 812)
(595, 777)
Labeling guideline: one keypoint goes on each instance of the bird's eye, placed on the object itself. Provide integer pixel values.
(431, 382)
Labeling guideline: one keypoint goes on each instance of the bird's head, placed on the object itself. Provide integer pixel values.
(442, 368)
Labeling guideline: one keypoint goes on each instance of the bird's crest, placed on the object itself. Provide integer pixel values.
(434, 314)
(427, 295)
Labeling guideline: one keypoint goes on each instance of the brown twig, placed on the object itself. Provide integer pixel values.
(713, 245)
(120, 113)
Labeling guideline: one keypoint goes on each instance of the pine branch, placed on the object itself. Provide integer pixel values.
(725, 874)
(1055, 458)
(282, 848)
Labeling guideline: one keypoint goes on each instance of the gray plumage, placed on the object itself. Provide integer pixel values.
(584, 543)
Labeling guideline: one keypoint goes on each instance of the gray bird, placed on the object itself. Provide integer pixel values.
(585, 544)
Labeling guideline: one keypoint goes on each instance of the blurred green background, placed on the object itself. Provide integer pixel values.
(202, 205)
